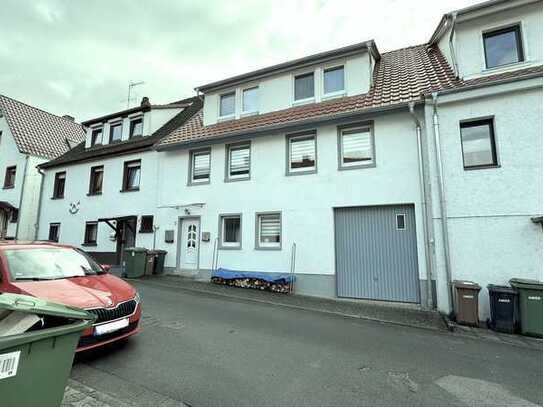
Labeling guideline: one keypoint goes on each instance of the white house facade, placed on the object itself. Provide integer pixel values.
(28, 137)
(102, 195)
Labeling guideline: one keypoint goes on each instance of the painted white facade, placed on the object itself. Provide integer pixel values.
(306, 202)
(276, 92)
(25, 193)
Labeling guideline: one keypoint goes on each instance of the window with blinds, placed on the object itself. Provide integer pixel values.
(356, 147)
(304, 86)
(239, 162)
(269, 230)
(200, 167)
(302, 153)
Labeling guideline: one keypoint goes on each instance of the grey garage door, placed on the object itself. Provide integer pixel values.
(376, 253)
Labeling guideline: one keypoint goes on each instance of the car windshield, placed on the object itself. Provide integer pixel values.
(49, 264)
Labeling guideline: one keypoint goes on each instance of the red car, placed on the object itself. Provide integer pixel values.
(67, 275)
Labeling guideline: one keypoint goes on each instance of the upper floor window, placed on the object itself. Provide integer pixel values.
(96, 180)
(9, 179)
(132, 175)
(334, 80)
(91, 233)
(96, 136)
(302, 153)
(136, 127)
(200, 166)
(250, 100)
(238, 162)
(478, 143)
(115, 132)
(54, 232)
(227, 104)
(503, 46)
(60, 185)
(304, 86)
(356, 146)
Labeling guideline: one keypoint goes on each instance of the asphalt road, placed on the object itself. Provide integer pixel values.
(210, 351)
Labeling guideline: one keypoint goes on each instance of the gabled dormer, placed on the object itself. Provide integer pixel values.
(492, 37)
(339, 73)
(129, 124)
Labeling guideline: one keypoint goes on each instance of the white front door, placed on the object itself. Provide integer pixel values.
(189, 243)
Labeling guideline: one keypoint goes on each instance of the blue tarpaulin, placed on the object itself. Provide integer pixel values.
(269, 277)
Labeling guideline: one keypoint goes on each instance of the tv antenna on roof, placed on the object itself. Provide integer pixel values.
(130, 86)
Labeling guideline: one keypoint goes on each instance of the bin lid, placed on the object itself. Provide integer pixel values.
(466, 284)
(158, 251)
(33, 305)
(526, 283)
(135, 249)
(500, 289)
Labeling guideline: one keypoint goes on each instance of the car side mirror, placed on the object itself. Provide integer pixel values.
(106, 267)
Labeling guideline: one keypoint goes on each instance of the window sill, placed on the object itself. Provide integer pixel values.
(89, 244)
(303, 101)
(334, 95)
(57, 198)
(237, 179)
(8, 187)
(136, 137)
(146, 231)
(129, 190)
(94, 194)
(268, 248)
(307, 172)
(229, 247)
(194, 184)
(356, 167)
(482, 167)
(226, 118)
(249, 114)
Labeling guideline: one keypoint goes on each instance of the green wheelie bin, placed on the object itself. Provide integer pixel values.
(35, 364)
(134, 262)
(530, 305)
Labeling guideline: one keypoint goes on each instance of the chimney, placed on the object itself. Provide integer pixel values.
(68, 117)
(145, 102)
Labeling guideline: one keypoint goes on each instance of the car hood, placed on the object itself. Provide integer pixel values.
(101, 291)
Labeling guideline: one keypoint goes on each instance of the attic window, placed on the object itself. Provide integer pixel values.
(136, 127)
(115, 132)
(503, 46)
(96, 136)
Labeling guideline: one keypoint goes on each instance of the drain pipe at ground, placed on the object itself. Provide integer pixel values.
(424, 207)
(442, 201)
(40, 198)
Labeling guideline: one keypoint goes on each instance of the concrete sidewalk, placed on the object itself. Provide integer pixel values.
(391, 313)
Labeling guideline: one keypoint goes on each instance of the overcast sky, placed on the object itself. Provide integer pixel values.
(77, 57)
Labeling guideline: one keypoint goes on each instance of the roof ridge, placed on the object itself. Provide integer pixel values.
(406, 48)
(40, 109)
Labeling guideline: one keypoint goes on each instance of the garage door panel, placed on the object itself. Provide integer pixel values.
(375, 259)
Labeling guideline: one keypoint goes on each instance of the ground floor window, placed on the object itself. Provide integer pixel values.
(91, 233)
(54, 232)
(268, 230)
(230, 231)
(146, 224)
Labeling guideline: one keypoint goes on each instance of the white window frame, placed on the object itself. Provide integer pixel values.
(337, 93)
(192, 155)
(309, 99)
(297, 136)
(222, 232)
(268, 246)
(92, 130)
(113, 123)
(219, 99)
(242, 95)
(229, 148)
(130, 120)
(348, 128)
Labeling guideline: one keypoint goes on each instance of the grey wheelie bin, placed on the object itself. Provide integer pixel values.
(159, 257)
(37, 345)
(530, 294)
(134, 262)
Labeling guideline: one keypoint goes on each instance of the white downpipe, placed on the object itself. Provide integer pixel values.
(424, 207)
(442, 202)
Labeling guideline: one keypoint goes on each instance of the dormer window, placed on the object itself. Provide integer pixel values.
(227, 108)
(96, 136)
(136, 127)
(250, 100)
(304, 87)
(334, 81)
(503, 46)
(115, 132)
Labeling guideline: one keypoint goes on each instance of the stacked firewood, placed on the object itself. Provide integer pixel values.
(254, 283)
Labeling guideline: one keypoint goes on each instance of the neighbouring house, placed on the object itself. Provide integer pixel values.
(380, 176)
(102, 194)
(486, 147)
(28, 137)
